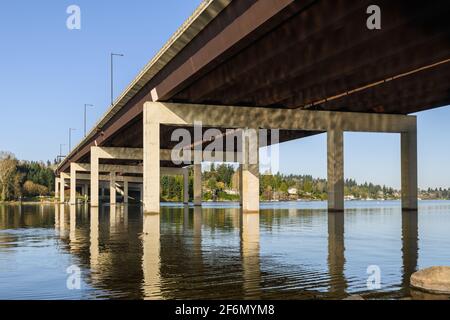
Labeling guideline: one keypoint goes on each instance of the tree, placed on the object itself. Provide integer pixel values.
(32, 189)
(9, 176)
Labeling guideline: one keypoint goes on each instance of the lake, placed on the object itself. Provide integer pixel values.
(290, 250)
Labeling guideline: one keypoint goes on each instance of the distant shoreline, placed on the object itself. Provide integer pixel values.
(48, 202)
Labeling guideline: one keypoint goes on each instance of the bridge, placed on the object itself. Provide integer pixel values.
(286, 68)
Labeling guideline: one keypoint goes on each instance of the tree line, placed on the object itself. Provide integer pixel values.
(30, 179)
(24, 179)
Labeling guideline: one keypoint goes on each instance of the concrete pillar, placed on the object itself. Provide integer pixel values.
(240, 185)
(62, 186)
(94, 178)
(250, 171)
(197, 184)
(112, 188)
(409, 169)
(141, 193)
(186, 185)
(57, 188)
(335, 170)
(151, 157)
(125, 191)
(73, 184)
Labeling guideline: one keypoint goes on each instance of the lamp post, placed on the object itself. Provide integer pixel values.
(85, 107)
(60, 156)
(112, 74)
(70, 138)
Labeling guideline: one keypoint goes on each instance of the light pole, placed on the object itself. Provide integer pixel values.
(85, 106)
(60, 156)
(70, 138)
(112, 74)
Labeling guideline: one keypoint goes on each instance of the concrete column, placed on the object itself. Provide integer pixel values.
(94, 178)
(250, 171)
(125, 191)
(186, 185)
(57, 188)
(73, 184)
(62, 185)
(240, 184)
(112, 188)
(409, 169)
(151, 157)
(141, 193)
(335, 170)
(197, 184)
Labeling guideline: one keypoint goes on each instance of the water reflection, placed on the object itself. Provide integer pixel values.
(151, 257)
(217, 253)
(336, 254)
(250, 255)
(410, 247)
(94, 251)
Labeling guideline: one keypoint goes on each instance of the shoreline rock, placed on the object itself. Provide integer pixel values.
(433, 280)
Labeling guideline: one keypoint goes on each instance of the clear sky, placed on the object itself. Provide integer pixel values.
(48, 73)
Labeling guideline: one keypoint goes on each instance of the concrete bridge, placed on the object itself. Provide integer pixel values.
(300, 67)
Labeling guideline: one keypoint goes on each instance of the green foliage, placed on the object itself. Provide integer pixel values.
(18, 178)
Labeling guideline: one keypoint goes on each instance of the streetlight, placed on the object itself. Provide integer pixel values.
(112, 74)
(60, 156)
(85, 106)
(70, 138)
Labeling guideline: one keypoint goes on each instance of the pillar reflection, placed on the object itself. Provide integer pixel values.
(113, 221)
(186, 217)
(94, 242)
(336, 253)
(151, 258)
(125, 216)
(73, 224)
(250, 255)
(57, 217)
(62, 218)
(410, 255)
(197, 239)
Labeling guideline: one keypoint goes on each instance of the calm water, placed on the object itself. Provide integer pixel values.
(288, 251)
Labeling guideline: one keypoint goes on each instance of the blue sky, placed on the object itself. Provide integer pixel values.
(47, 74)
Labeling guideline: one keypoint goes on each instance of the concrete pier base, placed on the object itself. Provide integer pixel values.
(125, 191)
(73, 184)
(152, 174)
(197, 184)
(112, 188)
(250, 171)
(185, 185)
(409, 169)
(335, 142)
